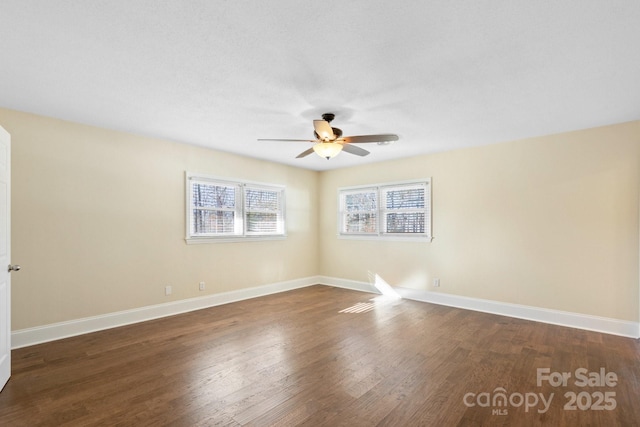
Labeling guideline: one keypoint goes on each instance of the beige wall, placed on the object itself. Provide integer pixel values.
(548, 222)
(98, 222)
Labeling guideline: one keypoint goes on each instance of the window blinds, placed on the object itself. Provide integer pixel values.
(404, 209)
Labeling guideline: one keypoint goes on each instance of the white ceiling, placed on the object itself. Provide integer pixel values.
(221, 74)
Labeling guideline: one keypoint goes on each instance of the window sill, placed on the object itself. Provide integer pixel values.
(234, 239)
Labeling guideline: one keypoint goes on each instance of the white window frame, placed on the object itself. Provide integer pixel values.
(381, 233)
(240, 233)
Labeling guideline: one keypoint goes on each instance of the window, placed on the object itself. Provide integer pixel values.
(220, 210)
(393, 210)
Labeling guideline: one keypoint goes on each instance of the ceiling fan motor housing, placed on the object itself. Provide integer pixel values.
(336, 132)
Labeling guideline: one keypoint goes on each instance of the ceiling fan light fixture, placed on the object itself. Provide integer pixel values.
(327, 149)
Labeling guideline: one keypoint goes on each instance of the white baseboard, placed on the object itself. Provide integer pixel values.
(347, 284)
(56, 331)
(537, 314)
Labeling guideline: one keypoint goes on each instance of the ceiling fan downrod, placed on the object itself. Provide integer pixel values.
(328, 117)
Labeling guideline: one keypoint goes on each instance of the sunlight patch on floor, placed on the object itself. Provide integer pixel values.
(387, 294)
(361, 307)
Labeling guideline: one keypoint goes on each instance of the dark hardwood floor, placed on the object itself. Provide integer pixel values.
(295, 359)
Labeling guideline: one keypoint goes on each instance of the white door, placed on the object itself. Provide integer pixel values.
(5, 257)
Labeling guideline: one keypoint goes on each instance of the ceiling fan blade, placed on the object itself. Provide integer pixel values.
(370, 138)
(287, 140)
(353, 149)
(323, 129)
(305, 153)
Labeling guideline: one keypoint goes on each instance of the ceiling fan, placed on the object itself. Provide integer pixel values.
(329, 141)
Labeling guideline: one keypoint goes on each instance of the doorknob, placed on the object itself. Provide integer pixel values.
(14, 267)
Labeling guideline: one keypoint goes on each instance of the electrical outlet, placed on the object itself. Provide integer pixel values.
(436, 283)
(202, 286)
(167, 290)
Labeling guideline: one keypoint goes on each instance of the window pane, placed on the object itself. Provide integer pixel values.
(263, 211)
(360, 223)
(405, 198)
(262, 200)
(262, 222)
(213, 222)
(365, 201)
(213, 196)
(407, 222)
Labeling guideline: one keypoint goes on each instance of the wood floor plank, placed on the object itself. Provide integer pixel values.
(308, 357)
